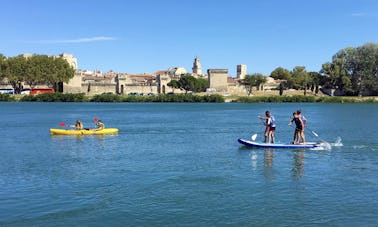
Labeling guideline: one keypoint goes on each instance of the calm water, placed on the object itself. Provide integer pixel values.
(180, 164)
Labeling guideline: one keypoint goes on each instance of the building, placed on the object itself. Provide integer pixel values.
(241, 71)
(218, 79)
(197, 68)
(72, 61)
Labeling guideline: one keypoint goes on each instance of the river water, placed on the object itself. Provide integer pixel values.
(176, 164)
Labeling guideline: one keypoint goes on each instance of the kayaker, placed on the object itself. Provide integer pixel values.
(78, 125)
(100, 125)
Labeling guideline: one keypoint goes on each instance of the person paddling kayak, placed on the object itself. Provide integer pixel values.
(99, 125)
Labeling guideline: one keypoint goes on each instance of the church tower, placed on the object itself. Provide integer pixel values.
(197, 68)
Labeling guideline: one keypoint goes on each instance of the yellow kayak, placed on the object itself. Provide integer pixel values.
(55, 131)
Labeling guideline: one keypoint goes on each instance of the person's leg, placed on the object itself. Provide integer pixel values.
(303, 137)
(266, 134)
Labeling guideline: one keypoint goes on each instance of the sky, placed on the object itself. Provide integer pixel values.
(144, 36)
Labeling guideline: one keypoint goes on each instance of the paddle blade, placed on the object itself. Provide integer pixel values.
(62, 124)
(95, 119)
(314, 133)
(253, 137)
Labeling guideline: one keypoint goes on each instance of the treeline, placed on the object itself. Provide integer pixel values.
(34, 70)
(301, 98)
(352, 71)
(60, 97)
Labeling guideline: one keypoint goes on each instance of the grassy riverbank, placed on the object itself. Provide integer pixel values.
(59, 97)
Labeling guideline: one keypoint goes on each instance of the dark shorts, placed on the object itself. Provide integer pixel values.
(272, 129)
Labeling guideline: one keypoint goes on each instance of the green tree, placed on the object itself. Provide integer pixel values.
(15, 70)
(281, 74)
(201, 85)
(59, 71)
(173, 84)
(301, 79)
(253, 80)
(2, 67)
(353, 71)
(37, 67)
(189, 83)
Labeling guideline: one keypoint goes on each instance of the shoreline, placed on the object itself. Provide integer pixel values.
(189, 98)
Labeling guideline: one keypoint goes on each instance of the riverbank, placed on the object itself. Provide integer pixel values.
(59, 97)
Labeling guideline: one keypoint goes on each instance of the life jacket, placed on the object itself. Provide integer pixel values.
(272, 121)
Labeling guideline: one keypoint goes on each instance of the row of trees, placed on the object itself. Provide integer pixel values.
(353, 71)
(34, 70)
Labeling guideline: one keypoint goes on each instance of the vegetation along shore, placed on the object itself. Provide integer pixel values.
(215, 98)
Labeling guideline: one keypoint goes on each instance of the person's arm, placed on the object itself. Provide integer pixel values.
(300, 120)
(291, 122)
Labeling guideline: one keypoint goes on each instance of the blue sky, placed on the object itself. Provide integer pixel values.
(146, 35)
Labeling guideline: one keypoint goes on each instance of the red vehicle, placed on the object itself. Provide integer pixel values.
(36, 91)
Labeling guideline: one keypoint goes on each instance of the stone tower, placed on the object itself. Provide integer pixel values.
(197, 68)
(241, 71)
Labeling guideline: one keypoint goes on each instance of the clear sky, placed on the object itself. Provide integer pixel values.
(137, 36)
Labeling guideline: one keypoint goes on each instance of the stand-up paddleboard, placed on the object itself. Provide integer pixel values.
(278, 145)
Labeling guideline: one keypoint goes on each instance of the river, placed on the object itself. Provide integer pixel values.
(175, 164)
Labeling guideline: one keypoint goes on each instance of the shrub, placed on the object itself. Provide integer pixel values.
(157, 98)
(54, 97)
(7, 98)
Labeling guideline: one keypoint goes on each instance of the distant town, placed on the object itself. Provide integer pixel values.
(97, 82)
(93, 82)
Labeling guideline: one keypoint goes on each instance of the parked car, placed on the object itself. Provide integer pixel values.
(6, 91)
(25, 91)
(36, 91)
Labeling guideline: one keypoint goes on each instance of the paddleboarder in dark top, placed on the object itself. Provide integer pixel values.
(299, 127)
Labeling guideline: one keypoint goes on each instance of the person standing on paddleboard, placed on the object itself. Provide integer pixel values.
(270, 127)
(304, 120)
(299, 126)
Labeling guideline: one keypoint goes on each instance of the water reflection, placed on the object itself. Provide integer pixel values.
(297, 170)
(268, 163)
(298, 167)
